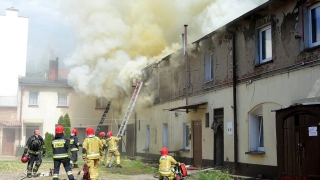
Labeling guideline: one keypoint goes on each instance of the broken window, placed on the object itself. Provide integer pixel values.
(101, 102)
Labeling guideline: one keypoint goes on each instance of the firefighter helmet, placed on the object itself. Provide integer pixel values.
(109, 134)
(59, 129)
(37, 132)
(24, 159)
(164, 151)
(74, 131)
(102, 134)
(90, 131)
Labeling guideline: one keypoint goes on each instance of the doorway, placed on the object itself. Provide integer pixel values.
(8, 139)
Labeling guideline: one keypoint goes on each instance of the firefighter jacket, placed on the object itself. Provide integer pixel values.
(112, 143)
(104, 143)
(60, 146)
(35, 145)
(165, 163)
(74, 143)
(92, 148)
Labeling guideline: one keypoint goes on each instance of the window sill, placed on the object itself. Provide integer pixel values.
(33, 106)
(184, 150)
(255, 152)
(100, 108)
(62, 107)
(311, 48)
(261, 64)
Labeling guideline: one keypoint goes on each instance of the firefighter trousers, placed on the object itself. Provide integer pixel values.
(93, 165)
(66, 165)
(34, 159)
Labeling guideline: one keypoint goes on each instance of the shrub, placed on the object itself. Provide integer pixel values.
(47, 142)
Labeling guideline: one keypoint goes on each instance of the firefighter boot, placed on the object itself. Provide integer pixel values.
(119, 166)
(75, 166)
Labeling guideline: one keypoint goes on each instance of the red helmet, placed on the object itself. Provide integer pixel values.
(164, 151)
(90, 131)
(74, 131)
(102, 134)
(37, 132)
(109, 134)
(24, 159)
(59, 129)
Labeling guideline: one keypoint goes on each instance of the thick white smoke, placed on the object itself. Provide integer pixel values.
(116, 39)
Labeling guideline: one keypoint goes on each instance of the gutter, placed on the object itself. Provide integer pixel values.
(234, 90)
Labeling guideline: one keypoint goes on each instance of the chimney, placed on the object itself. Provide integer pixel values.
(53, 69)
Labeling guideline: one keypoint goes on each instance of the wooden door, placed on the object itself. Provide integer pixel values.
(8, 138)
(130, 140)
(301, 146)
(197, 143)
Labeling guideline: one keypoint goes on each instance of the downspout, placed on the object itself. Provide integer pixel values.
(234, 90)
(186, 63)
(20, 118)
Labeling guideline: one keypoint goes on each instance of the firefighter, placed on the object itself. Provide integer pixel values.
(35, 149)
(112, 144)
(92, 150)
(165, 165)
(74, 148)
(60, 147)
(104, 144)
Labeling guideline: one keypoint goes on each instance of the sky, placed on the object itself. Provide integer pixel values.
(49, 34)
(108, 42)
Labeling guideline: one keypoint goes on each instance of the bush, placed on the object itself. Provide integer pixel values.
(47, 142)
(209, 175)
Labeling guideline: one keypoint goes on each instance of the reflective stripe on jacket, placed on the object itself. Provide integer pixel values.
(60, 146)
(92, 148)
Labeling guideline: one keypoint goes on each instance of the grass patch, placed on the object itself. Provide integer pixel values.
(209, 175)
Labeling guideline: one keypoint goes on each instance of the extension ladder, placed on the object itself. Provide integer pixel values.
(129, 109)
(127, 115)
(102, 119)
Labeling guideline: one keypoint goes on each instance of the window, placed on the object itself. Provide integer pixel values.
(33, 98)
(186, 135)
(165, 135)
(207, 120)
(314, 23)
(256, 130)
(265, 44)
(62, 100)
(147, 143)
(101, 102)
(208, 66)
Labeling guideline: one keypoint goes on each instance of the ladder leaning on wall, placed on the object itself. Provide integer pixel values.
(127, 115)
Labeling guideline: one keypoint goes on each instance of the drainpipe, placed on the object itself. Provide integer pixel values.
(20, 118)
(234, 85)
(186, 63)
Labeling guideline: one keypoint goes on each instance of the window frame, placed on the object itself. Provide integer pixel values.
(36, 98)
(60, 104)
(260, 44)
(147, 140)
(207, 120)
(102, 102)
(208, 66)
(317, 43)
(186, 136)
(256, 133)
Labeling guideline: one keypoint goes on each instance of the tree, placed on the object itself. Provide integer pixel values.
(67, 128)
(47, 142)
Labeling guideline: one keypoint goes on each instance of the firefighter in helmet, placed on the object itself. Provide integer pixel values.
(112, 144)
(60, 146)
(165, 164)
(92, 150)
(104, 144)
(74, 148)
(35, 149)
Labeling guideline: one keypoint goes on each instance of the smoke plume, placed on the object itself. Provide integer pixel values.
(116, 39)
